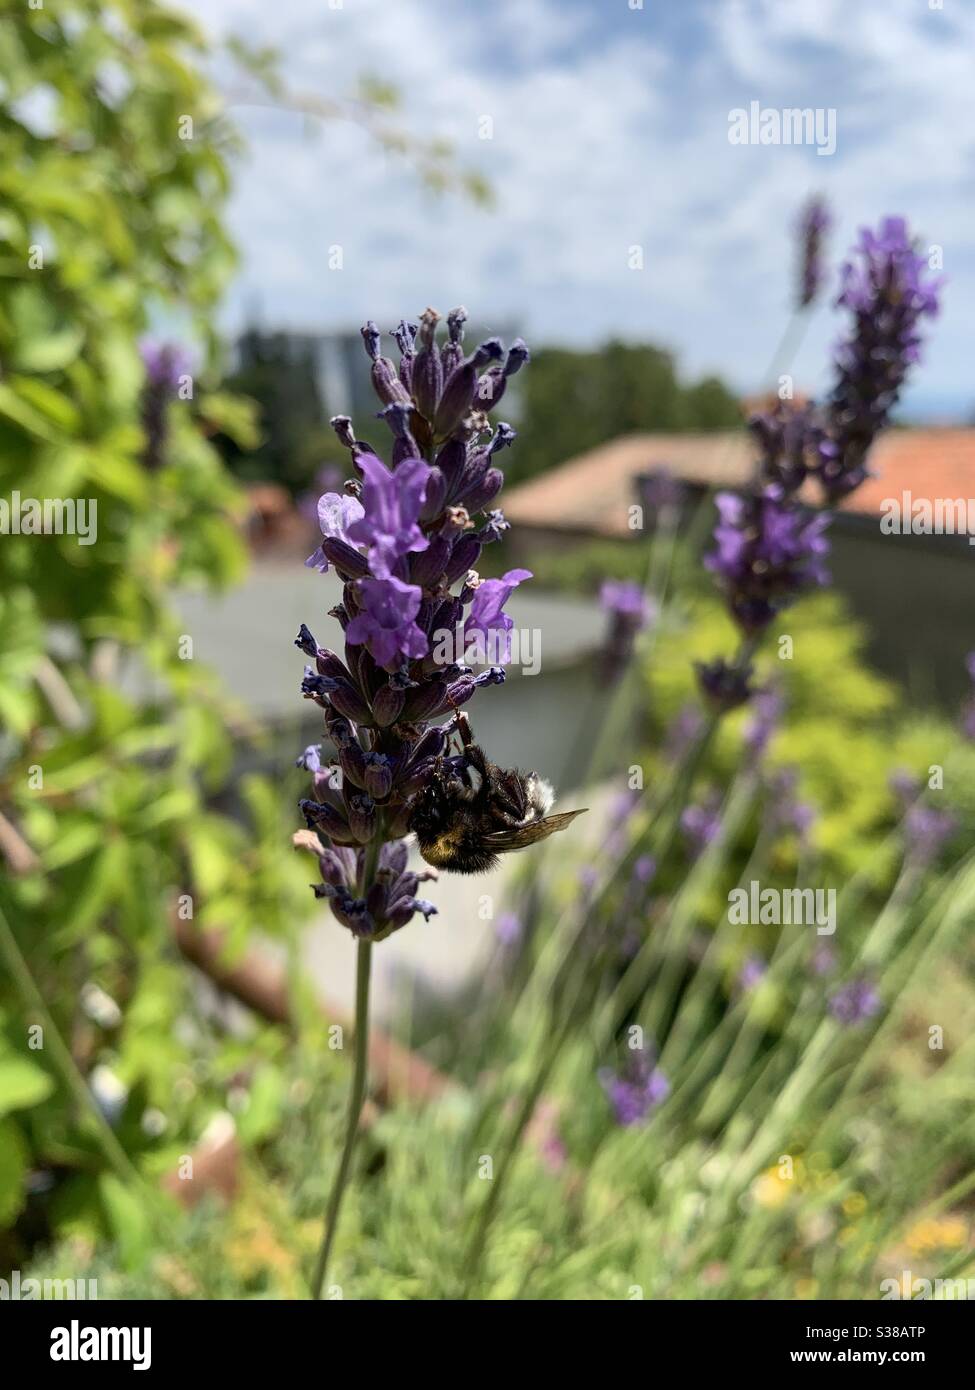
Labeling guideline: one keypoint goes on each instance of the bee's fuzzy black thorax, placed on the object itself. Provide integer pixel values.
(471, 811)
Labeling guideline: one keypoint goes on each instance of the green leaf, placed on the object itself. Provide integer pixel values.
(128, 1219)
(22, 1083)
(13, 1169)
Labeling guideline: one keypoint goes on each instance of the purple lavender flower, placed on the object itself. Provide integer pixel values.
(814, 223)
(700, 826)
(165, 365)
(723, 685)
(683, 730)
(588, 879)
(927, 829)
(886, 288)
(620, 812)
(644, 869)
(627, 601)
(630, 610)
(636, 1091)
(855, 1002)
(386, 623)
(786, 811)
(488, 625)
(327, 479)
(823, 960)
(789, 439)
(336, 513)
(391, 503)
(768, 553)
(405, 541)
(389, 903)
(904, 785)
(767, 707)
(508, 929)
(660, 490)
(753, 971)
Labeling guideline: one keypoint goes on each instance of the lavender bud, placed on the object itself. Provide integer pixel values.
(352, 760)
(378, 776)
(486, 491)
(361, 814)
(347, 700)
(465, 556)
(427, 369)
(305, 642)
(435, 494)
(387, 704)
(458, 392)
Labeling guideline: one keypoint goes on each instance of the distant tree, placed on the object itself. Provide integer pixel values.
(277, 372)
(572, 401)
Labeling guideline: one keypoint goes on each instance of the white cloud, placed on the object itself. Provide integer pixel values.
(608, 131)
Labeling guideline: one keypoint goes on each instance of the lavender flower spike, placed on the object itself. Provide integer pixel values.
(634, 1092)
(768, 553)
(814, 223)
(887, 290)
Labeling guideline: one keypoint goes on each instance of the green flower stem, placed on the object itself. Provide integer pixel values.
(64, 1064)
(358, 1090)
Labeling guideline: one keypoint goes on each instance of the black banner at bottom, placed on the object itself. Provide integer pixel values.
(171, 1338)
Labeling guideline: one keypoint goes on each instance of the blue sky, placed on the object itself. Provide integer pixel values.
(610, 130)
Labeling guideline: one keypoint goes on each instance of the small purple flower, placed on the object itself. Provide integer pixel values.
(752, 972)
(904, 785)
(854, 1002)
(700, 825)
(336, 512)
(487, 622)
(768, 552)
(823, 960)
(391, 503)
(508, 929)
(630, 610)
(786, 811)
(682, 732)
(327, 479)
(625, 600)
(814, 223)
(386, 622)
(644, 869)
(722, 685)
(927, 829)
(659, 490)
(767, 707)
(165, 363)
(588, 879)
(311, 758)
(635, 1092)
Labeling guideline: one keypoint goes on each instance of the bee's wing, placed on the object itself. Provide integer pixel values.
(520, 835)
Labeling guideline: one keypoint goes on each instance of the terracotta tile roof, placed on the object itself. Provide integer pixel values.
(591, 493)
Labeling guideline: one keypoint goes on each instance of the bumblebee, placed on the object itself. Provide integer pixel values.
(471, 810)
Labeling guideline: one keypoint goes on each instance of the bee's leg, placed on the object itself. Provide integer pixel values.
(464, 729)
